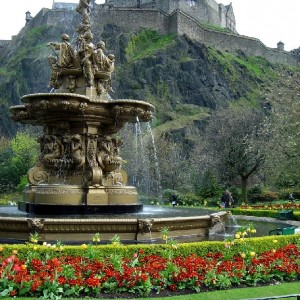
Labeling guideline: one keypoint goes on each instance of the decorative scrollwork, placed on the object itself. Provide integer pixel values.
(35, 225)
(37, 175)
(145, 225)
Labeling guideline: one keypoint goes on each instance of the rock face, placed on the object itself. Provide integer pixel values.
(168, 71)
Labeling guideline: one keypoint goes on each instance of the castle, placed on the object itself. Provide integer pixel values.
(204, 11)
(205, 21)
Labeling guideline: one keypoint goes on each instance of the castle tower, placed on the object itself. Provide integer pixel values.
(280, 46)
(28, 16)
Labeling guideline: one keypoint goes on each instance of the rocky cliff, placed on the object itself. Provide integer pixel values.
(183, 78)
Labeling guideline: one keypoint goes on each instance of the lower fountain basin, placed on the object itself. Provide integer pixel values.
(143, 227)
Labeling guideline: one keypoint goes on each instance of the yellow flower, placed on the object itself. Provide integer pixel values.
(275, 241)
(15, 251)
(1, 248)
(243, 255)
(35, 247)
(237, 236)
(23, 267)
(253, 231)
(252, 253)
(84, 246)
(164, 237)
(174, 246)
(273, 250)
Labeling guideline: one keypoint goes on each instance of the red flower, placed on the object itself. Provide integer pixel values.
(172, 287)
(13, 293)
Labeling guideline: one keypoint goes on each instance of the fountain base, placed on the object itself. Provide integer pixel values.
(62, 199)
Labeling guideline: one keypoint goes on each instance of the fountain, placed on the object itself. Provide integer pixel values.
(78, 177)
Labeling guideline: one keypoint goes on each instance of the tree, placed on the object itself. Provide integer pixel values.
(284, 159)
(16, 158)
(234, 139)
(173, 164)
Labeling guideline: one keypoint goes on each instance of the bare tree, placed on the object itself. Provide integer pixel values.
(234, 139)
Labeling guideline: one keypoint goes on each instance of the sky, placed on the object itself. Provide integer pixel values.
(270, 21)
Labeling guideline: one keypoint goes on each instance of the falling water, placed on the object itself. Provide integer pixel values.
(156, 163)
(141, 158)
(142, 175)
(232, 221)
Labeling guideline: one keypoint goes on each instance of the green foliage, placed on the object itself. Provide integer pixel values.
(267, 213)
(207, 185)
(15, 161)
(215, 27)
(190, 199)
(178, 121)
(258, 244)
(235, 68)
(35, 35)
(169, 194)
(255, 190)
(264, 196)
(146, 43)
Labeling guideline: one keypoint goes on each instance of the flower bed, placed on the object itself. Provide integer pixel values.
(53, 274)
(287, 206)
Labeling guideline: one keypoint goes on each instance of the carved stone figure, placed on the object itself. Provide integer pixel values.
(106, 64)
(72, 83)
(103, 62)
(104, 149)
(86, 55)
(66, 52)
(77, 151)
(55, 80)
(145, 225)
(35, 225)
(84, 9)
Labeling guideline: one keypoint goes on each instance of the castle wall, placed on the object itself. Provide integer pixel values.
(202, 10)
(230, 42)
(134, 19)
(178, 22)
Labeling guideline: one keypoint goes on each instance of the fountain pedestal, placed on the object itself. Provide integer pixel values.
(79, 169)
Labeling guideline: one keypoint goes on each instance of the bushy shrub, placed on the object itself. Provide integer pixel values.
(171, 195)
(266, 196)
(284, 195)
(190, 199)
(149, 200)
(255, 190)
(212, 202)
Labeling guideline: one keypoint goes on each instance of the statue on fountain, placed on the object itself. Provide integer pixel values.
(86, 62)
(80, 168)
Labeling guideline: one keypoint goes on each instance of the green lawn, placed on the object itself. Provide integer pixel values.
(232, 294)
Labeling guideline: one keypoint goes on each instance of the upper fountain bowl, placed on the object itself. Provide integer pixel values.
(42, 108)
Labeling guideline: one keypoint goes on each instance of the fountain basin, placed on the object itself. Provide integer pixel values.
(145, 227)
(45, 108)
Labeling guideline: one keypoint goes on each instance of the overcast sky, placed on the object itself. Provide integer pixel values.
(270, 21)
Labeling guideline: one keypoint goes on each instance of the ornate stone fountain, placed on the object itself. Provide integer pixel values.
(79, 169)
(78, 179)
